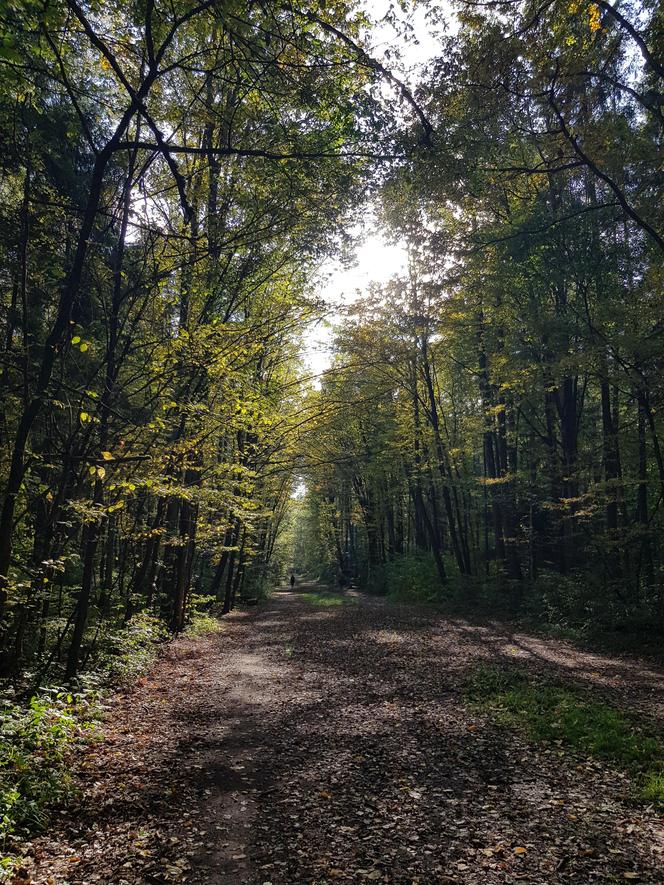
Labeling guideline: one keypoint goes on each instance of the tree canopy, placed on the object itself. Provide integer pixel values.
(173, 175)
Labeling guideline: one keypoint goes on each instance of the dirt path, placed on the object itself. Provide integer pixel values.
(332, 744)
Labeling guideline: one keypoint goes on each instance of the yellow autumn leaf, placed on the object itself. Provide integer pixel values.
(76, 339)
(520, 850)
(107, 456)
(84, 347)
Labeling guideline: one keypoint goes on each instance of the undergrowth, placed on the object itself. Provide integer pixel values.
(202, 623)
(408, 578)
(36, 744)
(39, 737)
(552, 712)
(128, 652)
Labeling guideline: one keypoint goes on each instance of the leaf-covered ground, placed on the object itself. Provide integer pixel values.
(335, 743)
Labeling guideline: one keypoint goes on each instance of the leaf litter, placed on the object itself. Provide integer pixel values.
(301, 745)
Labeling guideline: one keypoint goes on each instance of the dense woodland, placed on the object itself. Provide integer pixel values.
(501, 434)
(173, 176)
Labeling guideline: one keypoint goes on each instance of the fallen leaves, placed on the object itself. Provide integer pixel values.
(352, 760)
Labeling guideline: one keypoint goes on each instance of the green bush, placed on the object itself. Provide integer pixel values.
(35, 744)
(411, 578)
(126, 653)
(201, 623)
(38, 739)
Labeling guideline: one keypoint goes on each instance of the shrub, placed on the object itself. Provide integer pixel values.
(126, 653)
(35, 744)
(411, 578)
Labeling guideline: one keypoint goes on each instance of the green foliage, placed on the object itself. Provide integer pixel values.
(37, 740)
(575, 607)
(202, 623)
(156, 457)
(556, 713)
(311, 531)
(35, 748)
(410, 578)
(571, 600)
(126, 653)
(653, 787)
(577, 601)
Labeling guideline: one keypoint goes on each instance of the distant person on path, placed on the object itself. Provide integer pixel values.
(292, 581)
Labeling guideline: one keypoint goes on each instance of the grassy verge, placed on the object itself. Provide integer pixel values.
(552, 712)
(327, 597)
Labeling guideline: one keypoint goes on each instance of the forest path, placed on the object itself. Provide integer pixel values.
(321, 743)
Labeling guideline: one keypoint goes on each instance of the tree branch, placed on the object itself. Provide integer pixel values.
(375, 65)
(634, 34)
(620, 196)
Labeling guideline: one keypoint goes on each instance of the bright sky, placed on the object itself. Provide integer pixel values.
(376, 259)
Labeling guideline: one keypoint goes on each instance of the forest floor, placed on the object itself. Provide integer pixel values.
(314, 742)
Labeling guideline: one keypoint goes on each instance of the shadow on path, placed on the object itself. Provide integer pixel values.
(314, 743)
